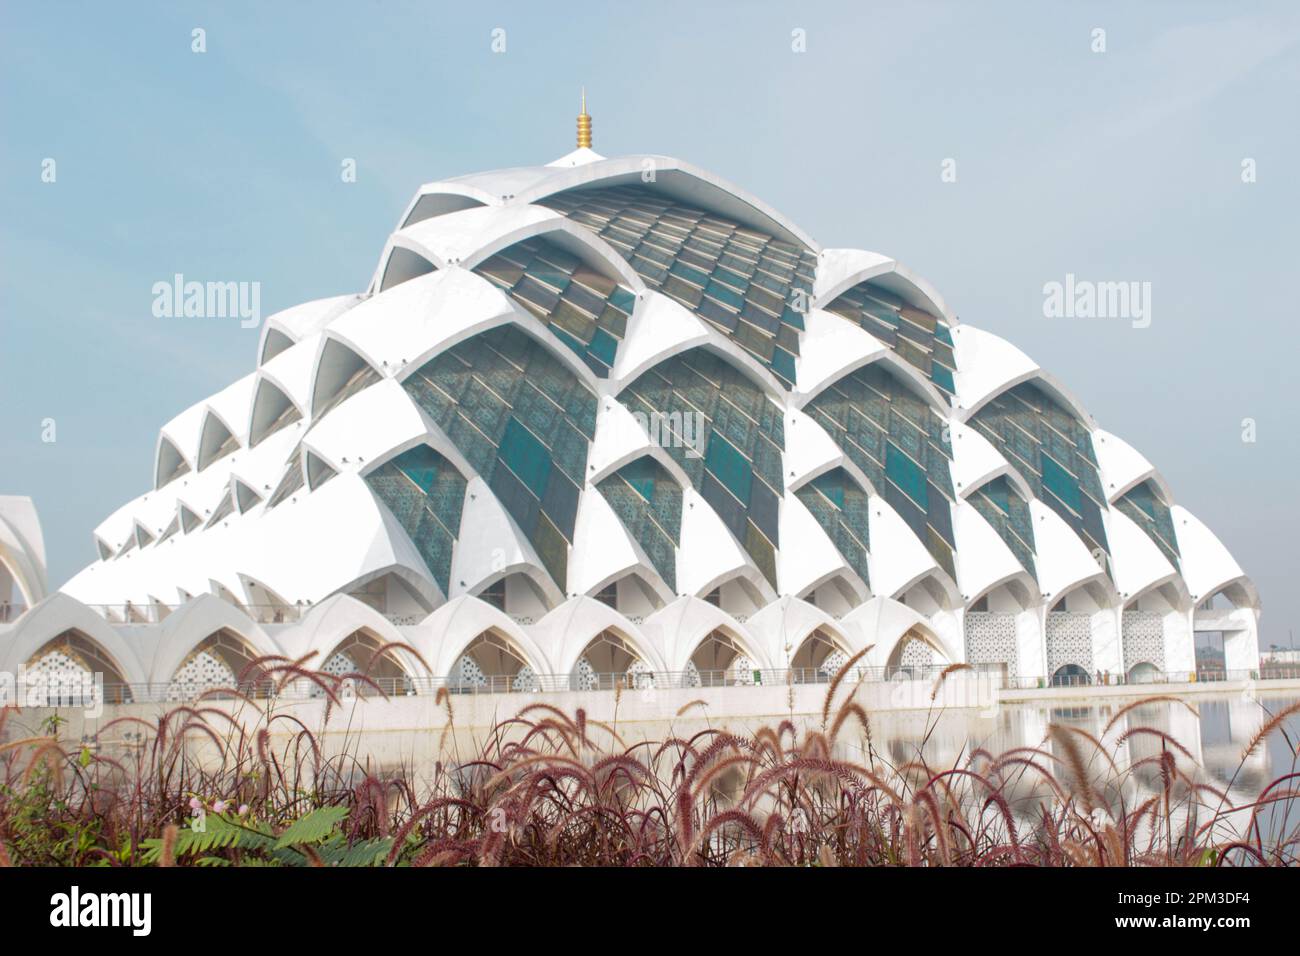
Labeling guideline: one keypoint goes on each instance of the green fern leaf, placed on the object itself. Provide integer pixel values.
(313, 827)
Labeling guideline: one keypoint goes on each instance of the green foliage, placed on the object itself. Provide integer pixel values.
(312, 827)
(250, 843)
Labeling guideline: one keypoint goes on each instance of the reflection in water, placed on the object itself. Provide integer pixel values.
(1206, 738)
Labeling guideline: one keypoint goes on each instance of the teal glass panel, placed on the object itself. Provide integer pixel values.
(1052, 451)
(648, 501)
(523, 421)
(730, 467)
(426, 494)
(906, 474)
(736, 438)
(526, 456)
(1061, 483)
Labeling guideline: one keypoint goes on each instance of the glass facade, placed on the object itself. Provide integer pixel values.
(749, 285)
(524, 422)
(840, 506)
(1146, 507)
(1008, 512)
(899, 443)
(921, 339)
(584, 309)
(648, 501)
(733, 457)
(426, 494)
(1052, 451)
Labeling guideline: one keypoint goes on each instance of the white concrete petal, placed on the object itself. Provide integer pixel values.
(983, 558)
(1206, 564)
(831, 348)
(1060, 557)
(898, 558)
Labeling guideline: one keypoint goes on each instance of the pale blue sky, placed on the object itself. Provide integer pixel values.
(225, 166)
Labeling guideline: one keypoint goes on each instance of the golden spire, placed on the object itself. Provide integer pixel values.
(584, 124)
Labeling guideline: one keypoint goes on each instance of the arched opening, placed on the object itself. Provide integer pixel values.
(1144, 672)
(217, 441)
(72, 670)
(1068, 637)
(818, 659)
(631, 595)
(272, 410)
(516, 594)
(438, 204)
(721, 661)
(360, 653)
(404, 265)
(340, 375)
(911, 659)
(927, 597)
(222, 661)
(835, 596)
(276, 342)
(491, 665)
(171, 463)
(1070, 675)
(610, 661)
(737, 596)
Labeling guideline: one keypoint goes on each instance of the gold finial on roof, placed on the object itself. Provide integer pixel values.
(584, 124)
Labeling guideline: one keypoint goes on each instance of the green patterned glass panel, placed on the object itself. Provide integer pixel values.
(1052, 450)
(1008, 513)
(584, 309)
(920, 338)
(524, 422)
(737, 437)
(898, 442)
(425, 493)
(841, 508)
(746, 283)
(648, 501)
(1148, 510)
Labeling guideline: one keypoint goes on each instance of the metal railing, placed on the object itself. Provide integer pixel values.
(523, 682)
(1203, 676)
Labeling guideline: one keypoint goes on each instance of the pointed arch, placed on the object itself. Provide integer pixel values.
(340, 373)
(185, 630)
(403, 265)
(58, 614)
(272, 410)
(276, 341)
(171, 464)
(216, 441)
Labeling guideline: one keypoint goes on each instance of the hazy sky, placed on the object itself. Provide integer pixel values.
(1124, 165)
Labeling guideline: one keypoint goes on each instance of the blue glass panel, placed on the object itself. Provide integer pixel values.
(906, 474)
(729, 465)
(526, 456)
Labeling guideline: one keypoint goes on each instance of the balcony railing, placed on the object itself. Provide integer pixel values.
(524, 682)
(1205, 676)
